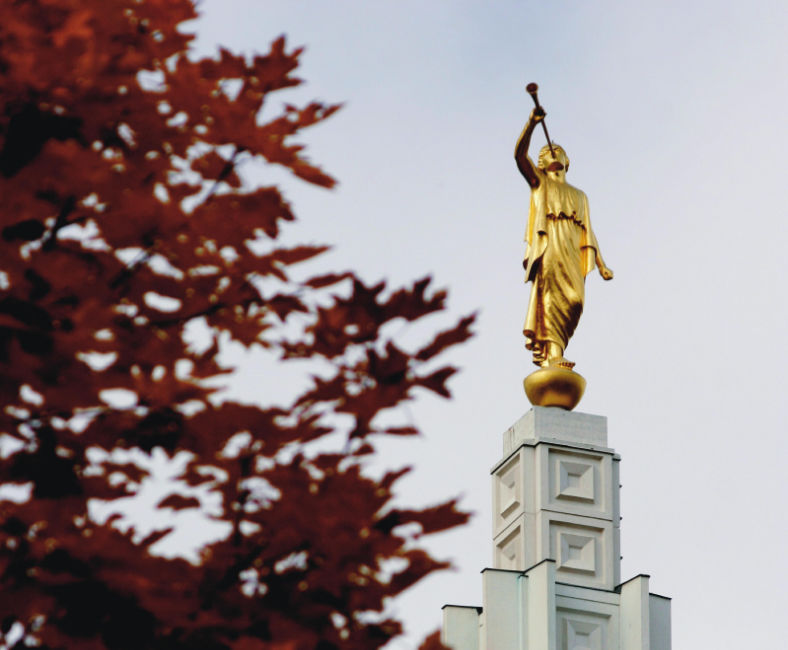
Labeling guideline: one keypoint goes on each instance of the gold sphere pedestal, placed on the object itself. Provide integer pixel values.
(555, 386)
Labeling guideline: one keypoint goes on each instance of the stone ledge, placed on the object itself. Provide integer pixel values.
(555, 424)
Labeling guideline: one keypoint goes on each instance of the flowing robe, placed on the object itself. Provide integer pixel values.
(561, 251)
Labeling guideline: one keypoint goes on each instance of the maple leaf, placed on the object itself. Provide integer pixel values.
(461, 332)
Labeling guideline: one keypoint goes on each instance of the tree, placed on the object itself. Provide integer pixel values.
(126, 224)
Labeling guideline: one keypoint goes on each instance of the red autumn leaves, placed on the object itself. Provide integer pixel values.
(123, 223)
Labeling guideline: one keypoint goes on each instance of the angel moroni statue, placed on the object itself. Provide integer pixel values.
(561, 250)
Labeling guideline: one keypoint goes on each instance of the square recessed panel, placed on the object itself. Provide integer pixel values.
(508, 483)
(576, 482)
(577, 552)
(586, 625)
(580, 553)
(508, 490)
(585, 631)
(509, 551)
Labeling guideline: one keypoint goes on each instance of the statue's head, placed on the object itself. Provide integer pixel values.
(546, 159)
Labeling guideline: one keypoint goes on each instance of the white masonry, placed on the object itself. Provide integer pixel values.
(556, 577)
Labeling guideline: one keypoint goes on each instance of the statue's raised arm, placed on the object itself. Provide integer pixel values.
(561, 250)
(524, 163)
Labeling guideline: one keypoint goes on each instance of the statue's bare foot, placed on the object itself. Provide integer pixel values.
(561, 362)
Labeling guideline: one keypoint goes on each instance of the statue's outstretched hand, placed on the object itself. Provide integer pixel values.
(606, 273)
(537, 115)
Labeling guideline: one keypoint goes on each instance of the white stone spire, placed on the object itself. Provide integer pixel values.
(556, 577)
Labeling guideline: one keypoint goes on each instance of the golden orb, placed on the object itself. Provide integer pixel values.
(555, 386)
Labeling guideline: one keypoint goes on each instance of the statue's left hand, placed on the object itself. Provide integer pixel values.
(606, 273)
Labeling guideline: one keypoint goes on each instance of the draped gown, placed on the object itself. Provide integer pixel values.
(561, 251)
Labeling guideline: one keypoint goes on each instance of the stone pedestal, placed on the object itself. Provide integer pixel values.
(556, 577)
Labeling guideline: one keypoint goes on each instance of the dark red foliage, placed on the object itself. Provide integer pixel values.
(124, 223)
(433, 642)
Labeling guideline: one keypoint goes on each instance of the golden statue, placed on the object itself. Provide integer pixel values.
(561, 250)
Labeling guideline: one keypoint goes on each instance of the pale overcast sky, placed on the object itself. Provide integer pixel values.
(673, 116)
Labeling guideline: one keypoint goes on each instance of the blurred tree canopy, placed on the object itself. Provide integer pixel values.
(124, 222)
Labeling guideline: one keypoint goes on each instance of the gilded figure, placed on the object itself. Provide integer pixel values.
(561, 250)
